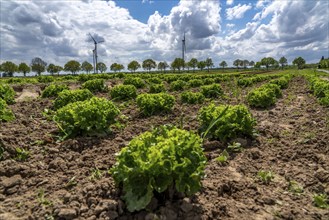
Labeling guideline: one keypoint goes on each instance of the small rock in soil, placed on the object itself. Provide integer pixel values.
(269, 201)
(12, 181)
(186, 205)
(67, 213)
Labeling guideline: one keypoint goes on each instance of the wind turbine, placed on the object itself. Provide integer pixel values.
(95, 53)
(183, 48)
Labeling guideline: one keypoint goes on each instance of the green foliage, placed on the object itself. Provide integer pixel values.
(192, 97)
(22, 154)
(95, 85)
(264, 96)
(53, 90)
(236, 121)
(5, 113)
(299, 61)
(324, 64)
(38, 65)
(157, 88)
(136, 81)
(42, 200)
(321, 201)
(9, 68)
(320, 87)
(325, 100)
(96, 174)
(212, 91)
(295, 187)
(123, 92)
(69, 96)
(235, 147)
(154, 80)
(45, 79)
(52, 69)
(72, 66)
(177, 85)
(265, 176)
(282, 82)
(157, 160)
(24, 68)
(7, 93)
(195, 83)
(149, 64)
(223, 157)
(274, 87)
(86, 117)
(208, 81)
(178, 64)
(102, 67)
(150, 104)
(133, 66)
(86, 66)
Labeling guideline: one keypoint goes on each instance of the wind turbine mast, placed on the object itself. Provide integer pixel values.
(183, 48)
(95, 56)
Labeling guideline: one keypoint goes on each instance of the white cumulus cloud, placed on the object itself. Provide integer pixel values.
(237, 11)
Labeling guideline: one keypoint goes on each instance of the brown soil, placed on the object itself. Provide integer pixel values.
(292, 143)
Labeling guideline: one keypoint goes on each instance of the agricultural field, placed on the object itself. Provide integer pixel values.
(193, 146)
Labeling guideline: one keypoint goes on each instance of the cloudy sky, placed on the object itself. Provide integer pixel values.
(57, 30)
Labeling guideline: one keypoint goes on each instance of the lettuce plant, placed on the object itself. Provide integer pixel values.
(69, 96)
(150, 104)
(195, 83)
(53, 90)
(177, 85)
(5, 113)
(236, 121)
(211, 91)
(264, 96)
(86, 117)
(7, 93)
(157, 88)
(123, 92)
(192, 97)
(157, 160)
(95, 85)
(137, 82)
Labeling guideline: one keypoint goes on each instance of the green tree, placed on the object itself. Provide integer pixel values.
(245, 63)
(116, 67)
(201, 65)
(101, 67)
(268, 61)
(9, 68)
(193, 63)
(299, 61)
(237, 63)
(133, 66)
(283, 61)
(24, 68)
(86, 66)
(38, 65)
(209, 63)
(223, 64)
(149, 64)
(324, 63)
(162, 66)
(178, 64)
(51, 69)
(251, 63)
(258, 65)
(73, 66)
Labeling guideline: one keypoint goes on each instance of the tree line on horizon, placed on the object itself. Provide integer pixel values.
(39, 66)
